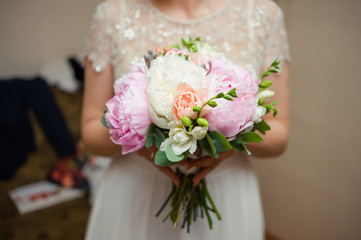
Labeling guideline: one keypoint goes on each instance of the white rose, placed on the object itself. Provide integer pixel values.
(164, 76)
(180, 141)
(266, 94)
(258, 114)
(199, 132)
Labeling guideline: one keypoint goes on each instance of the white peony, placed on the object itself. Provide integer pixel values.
(163, 78)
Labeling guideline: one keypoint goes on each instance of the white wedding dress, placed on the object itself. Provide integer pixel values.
(248, 32)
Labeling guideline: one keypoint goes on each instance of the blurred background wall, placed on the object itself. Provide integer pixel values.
(313, 191)
(32, 33)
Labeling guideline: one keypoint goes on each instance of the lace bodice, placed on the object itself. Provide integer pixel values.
(246, 31)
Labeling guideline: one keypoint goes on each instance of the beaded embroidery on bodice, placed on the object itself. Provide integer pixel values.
(248, 32)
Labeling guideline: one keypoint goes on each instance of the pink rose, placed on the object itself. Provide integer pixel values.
(128, 116)
(186, 99)
(231, 117)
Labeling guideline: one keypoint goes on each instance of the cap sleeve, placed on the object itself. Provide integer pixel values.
(277, 46)
(98, 41)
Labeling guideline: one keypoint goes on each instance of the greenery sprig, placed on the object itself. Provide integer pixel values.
(228, 96)
(274, 68)
(191, 44)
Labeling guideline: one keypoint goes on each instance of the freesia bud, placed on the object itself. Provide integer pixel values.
(196, 109)
(199, 132)
(266, 94)
(202, 122)
(186, 121)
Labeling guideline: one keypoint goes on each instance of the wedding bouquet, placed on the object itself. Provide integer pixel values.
(189, 101)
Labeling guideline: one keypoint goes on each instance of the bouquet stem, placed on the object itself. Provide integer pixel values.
(187, 201)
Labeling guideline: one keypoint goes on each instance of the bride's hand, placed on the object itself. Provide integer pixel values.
(207, 164)
(149, 153)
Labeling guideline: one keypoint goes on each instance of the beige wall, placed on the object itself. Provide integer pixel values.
(312, 192)
(34, 32)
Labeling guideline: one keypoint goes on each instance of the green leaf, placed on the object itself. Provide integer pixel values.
(150, 136)
(262, 127)
(240, 145)
(175, 46)
(197, 39)
(103, 120)
(211, 144)
(172, 156)
(160, 159)
(250, 137)
(184, 42)
(158, 137)
(220, 142)
(204, 145)
(237, 145)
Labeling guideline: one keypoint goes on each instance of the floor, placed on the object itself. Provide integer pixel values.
(64, 221)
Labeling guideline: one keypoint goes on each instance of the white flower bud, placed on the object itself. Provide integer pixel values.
(258, 114)
(266, 94)
(199, 132)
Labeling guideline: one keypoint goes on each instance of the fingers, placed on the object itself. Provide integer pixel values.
(172, 175)
(202, 162)
(202, 173)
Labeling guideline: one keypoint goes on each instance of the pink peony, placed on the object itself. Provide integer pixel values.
(231, 117)
(128, 116)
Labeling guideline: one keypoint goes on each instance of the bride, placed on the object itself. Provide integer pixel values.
(248, 32)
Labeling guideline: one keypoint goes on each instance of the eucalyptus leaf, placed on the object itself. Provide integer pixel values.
(160, 159)
(239, 141)
(172, 156)
(103, 120)
(211, 144)
(250, 137)
(220, 142)
(237, 145)
(262, 127)
(158, 137)
(150, 136)
(204, 145)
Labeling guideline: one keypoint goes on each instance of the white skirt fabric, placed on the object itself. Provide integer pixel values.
(133, 190)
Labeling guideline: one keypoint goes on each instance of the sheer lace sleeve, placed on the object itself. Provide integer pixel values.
(277, 46)
(98, 42)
